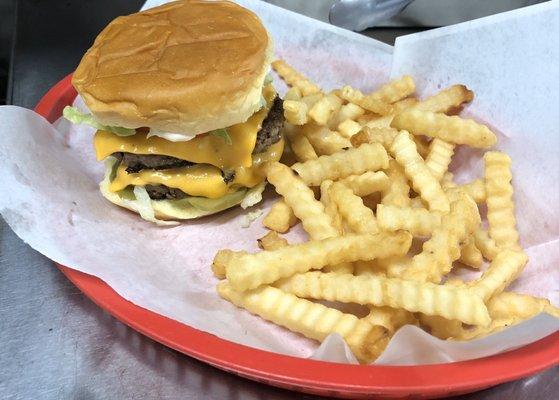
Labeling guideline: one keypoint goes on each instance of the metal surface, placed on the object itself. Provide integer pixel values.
(54, 342)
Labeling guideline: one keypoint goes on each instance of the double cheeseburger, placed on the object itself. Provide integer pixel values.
(185, 111)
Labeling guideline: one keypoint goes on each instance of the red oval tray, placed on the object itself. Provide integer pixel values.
(317, 377)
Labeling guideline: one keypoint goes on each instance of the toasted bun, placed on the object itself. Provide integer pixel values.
(187, 67)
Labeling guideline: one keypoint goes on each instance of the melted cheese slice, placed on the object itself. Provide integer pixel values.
(201, 179)
(203, 149)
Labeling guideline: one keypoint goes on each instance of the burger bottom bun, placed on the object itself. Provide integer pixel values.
(169, 209)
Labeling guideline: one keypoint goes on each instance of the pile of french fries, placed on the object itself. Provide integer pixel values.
(386, 222)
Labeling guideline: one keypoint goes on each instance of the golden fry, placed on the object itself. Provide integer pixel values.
(430, 299)
(301, 200)
(474, 189)
(450, 129)
(280, 218)
(470, 254)
(439, 157)
(272, 241)
(294, 78)
(323, 140)
(220, 261)
(348, 128)
(348, 111)
(367, 183)
(295, 112)
(500, 207)
(405, 152)
(354, 161)
(359, 218)
(394, 90)
(375, 105)
(417, 221)
(485, 244)
(299, 143)
(312, 320)
(398, 193)
(504, 269)
(248, 271)
(443, 248)
(447, 99)
(384, 136)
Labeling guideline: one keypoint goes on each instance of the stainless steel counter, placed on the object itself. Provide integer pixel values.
(54, 342)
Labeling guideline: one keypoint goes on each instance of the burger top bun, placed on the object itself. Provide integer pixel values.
(187, 67)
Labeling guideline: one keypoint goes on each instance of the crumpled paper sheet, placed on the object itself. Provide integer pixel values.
(53, 203)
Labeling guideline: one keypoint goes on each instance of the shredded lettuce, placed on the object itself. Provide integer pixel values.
(268, 79)
(222, 133)
(250, 217)
(144, 207)
(253, 196)
(75, 116)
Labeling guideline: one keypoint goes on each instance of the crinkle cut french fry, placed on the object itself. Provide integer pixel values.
(500, 207)
(485, 244)
(504, 269)
(313, 320)
(299, 143)
(470, 255)
(391, 318)
(248, 271)
(272, 241)
(380, 122)
(294, 93)
(394, 90)
(447, 182)
(398, 193)
(220, 261)
(511, 304)
(394, 265)
(447, 99)
(368, 183)
(405, 152)
(295, 112)
(440, 327)
(404, 104)
(322, 110)
(330, 207)
(450, 129)
(446, 301)
(417, 221)
(301, 200)
(295, 78)
(348, 111)
(477, 332)
(323, 140)
(475, 189)
(353, 161)
(359, 218)
(439, 157)
(280, 218)
(443, 248)
(422, 145)
(375, 105)
(384, 136)
(348, 128)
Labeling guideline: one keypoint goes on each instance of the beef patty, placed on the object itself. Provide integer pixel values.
(269, 133)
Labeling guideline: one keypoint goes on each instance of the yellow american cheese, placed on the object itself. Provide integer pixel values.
(201, 179)
(203, 149)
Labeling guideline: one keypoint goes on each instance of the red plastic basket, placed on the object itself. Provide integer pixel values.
(317, 377)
